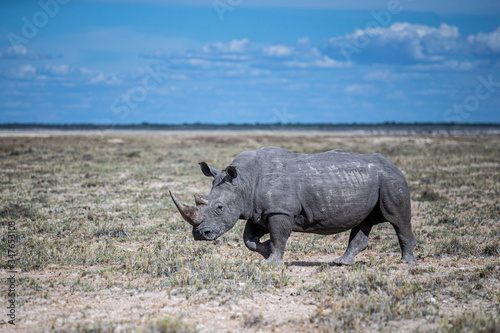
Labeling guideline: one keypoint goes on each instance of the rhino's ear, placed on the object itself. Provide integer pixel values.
(208, 170)
(231, 171)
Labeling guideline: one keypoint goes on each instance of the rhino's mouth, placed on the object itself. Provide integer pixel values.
(204, 234)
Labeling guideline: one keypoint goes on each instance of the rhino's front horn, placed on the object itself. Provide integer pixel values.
(189, 213)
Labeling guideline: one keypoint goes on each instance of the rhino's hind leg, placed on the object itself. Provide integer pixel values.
(252, 234)
(358, 241)
(396, 209)
(407, 242)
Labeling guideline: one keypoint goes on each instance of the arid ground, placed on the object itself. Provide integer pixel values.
(100, 247)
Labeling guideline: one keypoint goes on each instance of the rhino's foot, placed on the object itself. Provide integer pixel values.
(410, 260)
(262, 248)
(274, 260)
(251, 244)
(344, 261)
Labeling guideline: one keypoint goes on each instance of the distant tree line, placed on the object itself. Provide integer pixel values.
(418, 127)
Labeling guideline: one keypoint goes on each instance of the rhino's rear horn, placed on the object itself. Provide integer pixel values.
(200, 200)
(190, 213)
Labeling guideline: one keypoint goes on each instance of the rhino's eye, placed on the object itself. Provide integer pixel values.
(219, 208)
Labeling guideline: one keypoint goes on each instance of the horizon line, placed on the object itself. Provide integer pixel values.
(289, 124)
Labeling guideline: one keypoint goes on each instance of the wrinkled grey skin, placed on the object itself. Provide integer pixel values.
(278, 192)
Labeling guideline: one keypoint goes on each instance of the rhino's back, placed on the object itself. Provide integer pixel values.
(327, 192)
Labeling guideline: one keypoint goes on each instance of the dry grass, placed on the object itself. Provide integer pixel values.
(102, 248)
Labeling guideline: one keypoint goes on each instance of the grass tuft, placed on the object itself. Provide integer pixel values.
(472, 322)
(449, 220)
(491, 249)
(429, 195)
(16, 211)
(456, 246)
(253, 321)
(165, 325)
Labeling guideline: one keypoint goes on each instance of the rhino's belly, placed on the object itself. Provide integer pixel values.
(334, 210)
(326, 226)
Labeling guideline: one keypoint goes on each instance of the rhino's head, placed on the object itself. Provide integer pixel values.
(218, 212)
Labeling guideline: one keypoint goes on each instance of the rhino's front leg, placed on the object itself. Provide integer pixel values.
(280, 228)
(252, 234)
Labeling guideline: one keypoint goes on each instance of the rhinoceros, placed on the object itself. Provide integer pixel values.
(278, 191)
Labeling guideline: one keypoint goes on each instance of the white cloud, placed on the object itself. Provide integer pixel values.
(18, 51)
(414, 44)
(234, 46)
(486, 43)
(326, 62)
(104, 78)
(61, 74)
(240, 57)
(259, 72)
(22, 72)
(398, 43)
(452, 65)
(21, 52)
(214, 55)
(391, 76)
(278, 51)
(57, 70)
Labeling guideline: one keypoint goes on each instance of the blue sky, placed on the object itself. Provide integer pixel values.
(242, 61)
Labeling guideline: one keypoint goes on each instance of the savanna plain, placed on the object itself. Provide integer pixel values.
(100, 246)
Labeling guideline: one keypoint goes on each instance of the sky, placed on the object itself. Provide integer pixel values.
(242, 61)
